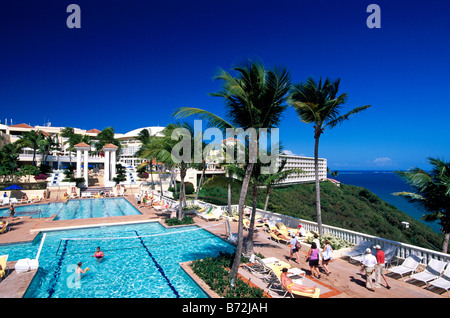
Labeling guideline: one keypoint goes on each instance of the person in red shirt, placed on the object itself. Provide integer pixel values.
(380, 268)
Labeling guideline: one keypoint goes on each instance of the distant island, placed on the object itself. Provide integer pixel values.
(348, 207)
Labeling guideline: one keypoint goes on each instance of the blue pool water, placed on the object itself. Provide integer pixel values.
(77, 209)
(145, 264)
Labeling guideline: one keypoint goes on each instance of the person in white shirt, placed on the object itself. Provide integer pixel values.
(368, 265)
(301, 231)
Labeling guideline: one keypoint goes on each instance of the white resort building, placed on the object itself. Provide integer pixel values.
(97, 160)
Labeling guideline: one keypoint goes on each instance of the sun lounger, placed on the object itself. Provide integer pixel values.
(409, 265)
(433, 271)
(247, 222)
(5, 228)
(207, 210)
(4, 267)
(284, 240)
(5, 201)
(360, 249)
(257, 266)
(14, 201)
(285, 229)
(277, 273)
(442, 282)
(214, 215)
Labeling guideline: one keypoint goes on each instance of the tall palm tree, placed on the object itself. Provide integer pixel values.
(47, 145)
(144, 137)
(318, 103)
(254, 98)
(30, 139)
(432, 192)
(73, 139)
(269, 181)
(161, 148)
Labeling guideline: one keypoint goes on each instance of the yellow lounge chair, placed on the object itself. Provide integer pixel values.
(274, 227)
(279, 239)
(5, 228)
(316, 294)
(4, 267)
(284, 229)
(202, 209)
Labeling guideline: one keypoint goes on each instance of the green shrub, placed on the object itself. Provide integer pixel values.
(174, 221)
(214, 272)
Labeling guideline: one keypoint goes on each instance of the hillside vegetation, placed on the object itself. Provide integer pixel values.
(349, 207)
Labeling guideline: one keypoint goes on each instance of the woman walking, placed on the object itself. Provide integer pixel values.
(327, 255)
(313, 258)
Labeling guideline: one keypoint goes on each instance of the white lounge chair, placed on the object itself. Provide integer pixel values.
(443, 282)
(5, 201)
(360, 249)
(433, 271)
(214, 215)
(257, 266)
(409, 265)
(13, 201)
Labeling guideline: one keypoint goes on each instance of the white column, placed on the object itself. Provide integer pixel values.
(106, 173)
(78, 163)
(86, 168)
(113, 164)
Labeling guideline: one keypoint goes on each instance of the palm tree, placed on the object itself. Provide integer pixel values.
(145, 138)
(161, 148)
(432, 192)
(30, 139)
(47, 145)
(319, 104)
(254, 98)
(270, 181)
(73, 139)
(106, 136)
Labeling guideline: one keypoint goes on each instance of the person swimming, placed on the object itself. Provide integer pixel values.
(98, 254)
(79, 270)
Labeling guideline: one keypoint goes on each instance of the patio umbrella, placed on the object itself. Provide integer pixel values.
(14, 187)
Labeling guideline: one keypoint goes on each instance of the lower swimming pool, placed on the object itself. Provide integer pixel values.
(77, 209)
(143, 263)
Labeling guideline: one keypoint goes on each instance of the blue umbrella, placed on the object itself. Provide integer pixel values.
(14, 187)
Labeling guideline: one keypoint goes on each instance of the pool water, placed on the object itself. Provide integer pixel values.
(77, 209)
(145, 264)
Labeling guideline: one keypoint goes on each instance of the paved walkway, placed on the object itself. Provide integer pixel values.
(345, 280)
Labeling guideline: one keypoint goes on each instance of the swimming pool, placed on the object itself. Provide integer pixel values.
(77, 209)
(143, 264)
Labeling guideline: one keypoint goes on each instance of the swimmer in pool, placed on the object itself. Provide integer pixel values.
(98, 254)
(79, 270)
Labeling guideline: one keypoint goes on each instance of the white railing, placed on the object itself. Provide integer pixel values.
(403, 250)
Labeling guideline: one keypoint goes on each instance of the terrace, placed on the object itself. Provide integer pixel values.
(345, 281)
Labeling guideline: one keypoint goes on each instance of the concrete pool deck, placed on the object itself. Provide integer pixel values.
(346, 280)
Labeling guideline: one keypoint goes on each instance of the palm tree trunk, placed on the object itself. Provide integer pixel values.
(201, 181)
(237, 257)
(151, 174)
(229, 199)
(174, 181)
(267, 198)
(445, 245)
(251, 230)
(182, 194)
(316, 172)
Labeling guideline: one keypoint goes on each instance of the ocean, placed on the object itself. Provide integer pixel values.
(383, 184)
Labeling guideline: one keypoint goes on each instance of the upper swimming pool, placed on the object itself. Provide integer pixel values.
(77, 209)
(141, 261)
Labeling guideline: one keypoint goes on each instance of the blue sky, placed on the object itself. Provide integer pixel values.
(133, 63)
